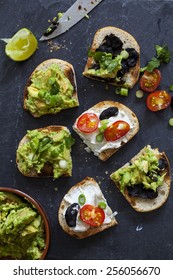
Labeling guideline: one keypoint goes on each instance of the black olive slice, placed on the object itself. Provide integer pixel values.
(133, 57)
(163, 164)
(71, 214)
(109, 112)
(139, 191)
(111, 44)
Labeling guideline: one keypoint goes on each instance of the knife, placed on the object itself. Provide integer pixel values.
(73, 15)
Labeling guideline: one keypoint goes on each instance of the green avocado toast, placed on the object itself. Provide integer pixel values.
(145, 180)
(45, 152)
(51, 88)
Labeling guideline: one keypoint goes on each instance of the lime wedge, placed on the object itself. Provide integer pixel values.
(22, 45)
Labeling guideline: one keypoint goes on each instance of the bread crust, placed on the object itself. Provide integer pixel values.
(128, 40)
(66, 68)
(104, 155)
(147, 205)
(92, 230)
(48, 168)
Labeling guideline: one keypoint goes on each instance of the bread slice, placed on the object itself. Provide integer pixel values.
(47, 170)
(146, 204)
(92, 191)
(129, 78)
(104, 152)
(67, 70)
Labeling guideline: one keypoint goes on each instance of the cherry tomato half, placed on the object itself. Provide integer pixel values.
(116, 130)
(91, 215)
(158, 100)
(88, 122)
(150, 80)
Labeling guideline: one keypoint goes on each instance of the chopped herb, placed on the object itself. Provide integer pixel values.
(139, 93)
(100, 137)
(87, 16)
(171, 122)
(122, 91)
(163, 55)
(60, 15)
(102, 205)
(171, 88)
(81, 199)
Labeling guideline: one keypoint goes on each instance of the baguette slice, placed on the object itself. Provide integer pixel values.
(89, 188)
(145, 204)
(108, 151)
(131, 77)
(47, 170)
(67, 70)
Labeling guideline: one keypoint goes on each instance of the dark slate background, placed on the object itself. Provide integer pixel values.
(150, 22)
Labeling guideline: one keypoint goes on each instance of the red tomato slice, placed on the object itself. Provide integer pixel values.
(116, 130)
(158, 100)
(150, 80)
(91, 215)
(88, 122)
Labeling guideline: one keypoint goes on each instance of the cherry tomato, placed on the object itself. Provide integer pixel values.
(116, 130)
(158, 100)
(91, 215)
(150, 80)
(88, 122)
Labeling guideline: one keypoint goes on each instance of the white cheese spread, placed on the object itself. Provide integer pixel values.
(93, 196)
(90, 138)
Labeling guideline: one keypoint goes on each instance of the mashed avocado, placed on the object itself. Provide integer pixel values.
(22, 234)
(46, 147)
(144, 170)
(50, 92)
(108, 65)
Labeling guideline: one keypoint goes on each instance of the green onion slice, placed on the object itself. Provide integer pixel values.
(102, 205)
(171, 121)
(99, 137)
(139, 93)
(81, 199)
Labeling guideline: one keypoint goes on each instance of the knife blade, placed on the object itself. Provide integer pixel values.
(73, 15)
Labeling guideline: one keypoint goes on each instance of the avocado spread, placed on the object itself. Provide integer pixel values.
(143, 170)
(50, 91)
(46, 147)
(22, 234)
(108, 65)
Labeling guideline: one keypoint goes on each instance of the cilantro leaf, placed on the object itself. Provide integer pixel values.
(163, 55)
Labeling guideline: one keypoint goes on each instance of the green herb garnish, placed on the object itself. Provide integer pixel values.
(163, 55)
(102, 205)
(81, 199)
(171, 88)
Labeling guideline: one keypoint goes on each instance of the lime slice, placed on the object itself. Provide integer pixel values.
(22, 45)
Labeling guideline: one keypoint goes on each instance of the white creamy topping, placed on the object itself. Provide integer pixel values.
(90, 138)
(93, 196)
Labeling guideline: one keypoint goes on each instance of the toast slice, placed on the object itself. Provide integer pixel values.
(124, 72)
(151, 189)
(93, 195)
(106, 149)
(45, 152)
(51, 88)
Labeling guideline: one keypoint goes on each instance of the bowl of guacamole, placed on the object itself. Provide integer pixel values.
(24, 227)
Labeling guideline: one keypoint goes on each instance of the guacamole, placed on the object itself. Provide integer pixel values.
(143, 170)
(49, 92)
(22, 234)
(44, 147)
